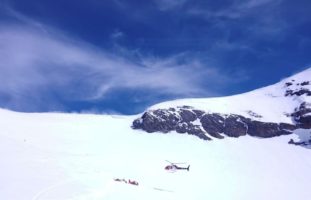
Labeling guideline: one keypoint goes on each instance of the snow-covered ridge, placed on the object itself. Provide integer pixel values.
(271, 103)
(266, 112)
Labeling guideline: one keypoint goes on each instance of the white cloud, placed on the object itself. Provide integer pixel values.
(117, 34)
(35, 63)
(169, 4)
(256, 20)
(249, 4)
(236, 9)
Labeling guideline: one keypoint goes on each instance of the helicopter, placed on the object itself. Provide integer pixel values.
(174, 166)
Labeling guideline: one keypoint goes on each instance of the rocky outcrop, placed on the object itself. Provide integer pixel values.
(164, 121)
(207, 125)
(302, 115)
(290, 91)
(236, 126)
(303, 143)
(213, 124)
(298, 92)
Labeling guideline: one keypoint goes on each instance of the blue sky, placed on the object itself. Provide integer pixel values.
(121, 56)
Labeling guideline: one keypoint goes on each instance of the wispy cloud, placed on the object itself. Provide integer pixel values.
(117, 34)
(169, 4)
(236, 9)
(38, 65)
(243, 23)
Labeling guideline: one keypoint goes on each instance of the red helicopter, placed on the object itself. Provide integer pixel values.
(174, 166)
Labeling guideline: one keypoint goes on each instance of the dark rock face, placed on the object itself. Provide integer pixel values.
(289, 127)
(206, 125)
(253, 114)
(298, 93)
(187, 115)
(153, 123)
(199, 113)
(170, 120)
(306, 144)
(305, 83)
(288, 84)
(197, 131)
(302, 115)
(262, 129)
(213, 124)
(235, 126)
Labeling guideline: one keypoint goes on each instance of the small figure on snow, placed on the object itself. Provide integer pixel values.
(133, 182)
(120, 180)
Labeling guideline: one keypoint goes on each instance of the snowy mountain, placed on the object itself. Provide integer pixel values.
(54, 156)
(267, 112)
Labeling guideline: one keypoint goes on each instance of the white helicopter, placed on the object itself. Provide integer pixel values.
(174, 166)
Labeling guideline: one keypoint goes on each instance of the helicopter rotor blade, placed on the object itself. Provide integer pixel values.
(176, 163)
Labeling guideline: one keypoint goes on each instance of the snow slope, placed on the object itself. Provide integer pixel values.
(70, 156)
(269, 102)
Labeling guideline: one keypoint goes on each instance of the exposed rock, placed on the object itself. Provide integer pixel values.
(265, 130)
(305, 83)
(302, 115)
(213, 124)
(235, 126)
(300, 92)
(199, 113)
(155, 121)
(303, 143)
(216, 125)
(172, 109)
(289, 127)
(253, 114)
(185, 107)
(197, 131)
(192, 130)
(288, 84)
(187, 115)
(182, 128)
